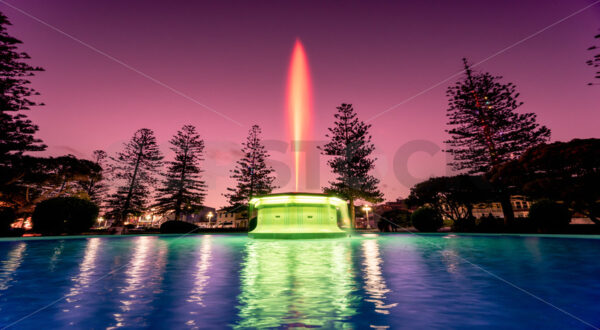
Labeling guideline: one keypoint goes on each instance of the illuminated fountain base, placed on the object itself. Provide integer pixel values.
(299, 215)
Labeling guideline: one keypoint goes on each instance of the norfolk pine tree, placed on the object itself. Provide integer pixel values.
(137, 166)
(16, 131)
(351, 148)
(182, 189)
(252, 175)
(486, 131)
(594, 62)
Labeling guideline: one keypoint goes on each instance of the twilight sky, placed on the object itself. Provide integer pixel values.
(163, 64)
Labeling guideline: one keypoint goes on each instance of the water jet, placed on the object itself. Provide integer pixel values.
(299, 214)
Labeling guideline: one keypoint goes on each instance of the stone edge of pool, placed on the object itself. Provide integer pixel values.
(355, 235)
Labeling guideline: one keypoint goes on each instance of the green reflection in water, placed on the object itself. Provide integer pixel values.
(297, 283)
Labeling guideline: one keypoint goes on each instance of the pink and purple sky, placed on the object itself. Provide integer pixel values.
(160, 64)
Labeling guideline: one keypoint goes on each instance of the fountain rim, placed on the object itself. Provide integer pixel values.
(318, 198)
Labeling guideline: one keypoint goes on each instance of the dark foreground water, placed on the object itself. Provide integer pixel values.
(395, 281)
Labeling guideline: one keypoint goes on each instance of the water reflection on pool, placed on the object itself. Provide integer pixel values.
(389, 281)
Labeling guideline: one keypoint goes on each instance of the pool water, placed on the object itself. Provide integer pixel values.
(231, 281)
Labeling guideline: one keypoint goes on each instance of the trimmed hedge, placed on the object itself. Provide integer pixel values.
(178, 227)
(60, 215)
(426, 219)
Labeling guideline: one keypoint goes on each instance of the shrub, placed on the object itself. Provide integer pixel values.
(426, 219)
(177, 227)
(464, 225)
(398, 218)
(383, 225)
(490, 224)
(522, 225)
(59, 215)
(549, 216)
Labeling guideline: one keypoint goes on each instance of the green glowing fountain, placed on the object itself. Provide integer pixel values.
(299, 215)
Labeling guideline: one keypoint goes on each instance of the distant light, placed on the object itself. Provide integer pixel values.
(370, 235)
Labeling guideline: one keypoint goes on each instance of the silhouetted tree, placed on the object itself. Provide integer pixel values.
(594, 62)
(252, 175)
(426, 219)
(37, 179)
(182, 189)
(59, 215)
(486, 130)
(95, 185)
(137, 165)
(351, 148)
(451, 196)
(396, 218)
(16, 131)
(561, 171)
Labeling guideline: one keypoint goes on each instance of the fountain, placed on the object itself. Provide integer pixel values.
(296, 214)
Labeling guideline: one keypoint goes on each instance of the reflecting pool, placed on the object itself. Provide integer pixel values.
(231, 281)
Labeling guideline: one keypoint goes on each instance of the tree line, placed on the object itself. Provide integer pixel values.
(499, 151)
(135, 172)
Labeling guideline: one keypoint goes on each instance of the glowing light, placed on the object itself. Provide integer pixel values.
(367, 208)
(86, 270)
(299, 99)
(202, 276)
(370, 235)
(297, 284)
(297, 199)
(299, 216)
(375, 285)
(10, 265)
(143, 281)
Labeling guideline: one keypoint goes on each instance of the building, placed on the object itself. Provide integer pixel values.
(152, 219)
(228, 219)
(520, 205)
(398, 204)
(204, 218)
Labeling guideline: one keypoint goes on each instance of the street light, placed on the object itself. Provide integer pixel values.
(367, 208)
(100, 220)
(209, 216)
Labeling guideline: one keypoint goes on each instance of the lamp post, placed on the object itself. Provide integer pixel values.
(367, 208)
(100, 220)
(209, 216)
